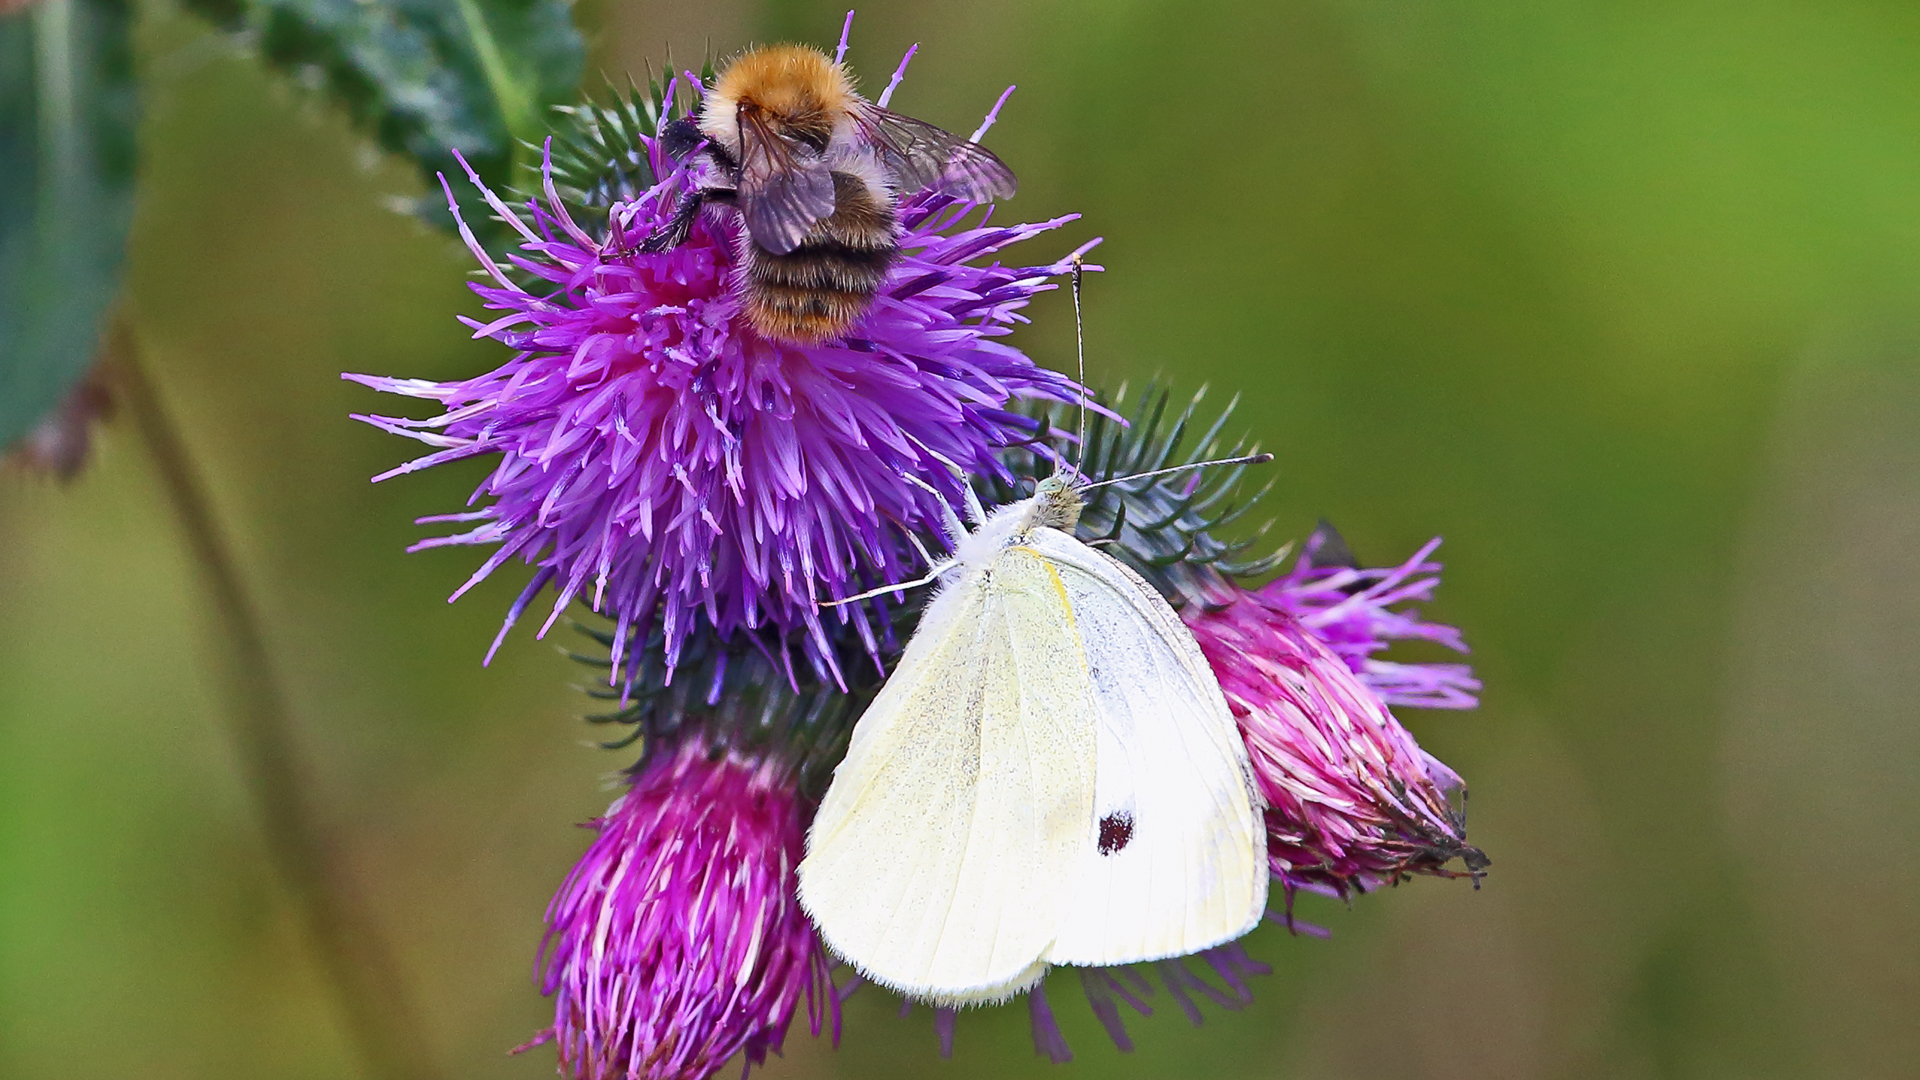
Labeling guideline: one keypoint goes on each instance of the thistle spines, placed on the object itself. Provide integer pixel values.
(598, 156)
(1168, 529)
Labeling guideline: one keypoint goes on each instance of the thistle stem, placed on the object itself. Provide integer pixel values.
(354, 961)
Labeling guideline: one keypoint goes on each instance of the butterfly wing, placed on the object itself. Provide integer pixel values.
(920, 155)
(951, 837)
(783, 187)
(1176, 858)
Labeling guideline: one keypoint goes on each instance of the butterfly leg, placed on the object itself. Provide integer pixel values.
(932, 574)
(950, 522)
(975, 511)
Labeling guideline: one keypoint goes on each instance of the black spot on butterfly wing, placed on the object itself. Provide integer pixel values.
(784, 188)
(1116, 832)
(920, 155)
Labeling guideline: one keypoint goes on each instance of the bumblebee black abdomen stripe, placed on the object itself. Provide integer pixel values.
(821, 287)
(825, 265)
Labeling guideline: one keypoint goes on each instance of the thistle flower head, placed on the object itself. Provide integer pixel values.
(678, 940)
(662, 459)
(1353, 802)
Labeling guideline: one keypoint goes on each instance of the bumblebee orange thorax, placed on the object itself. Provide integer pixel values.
(801, 92)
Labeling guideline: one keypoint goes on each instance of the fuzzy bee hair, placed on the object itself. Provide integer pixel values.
(808, 95)
(815, 172)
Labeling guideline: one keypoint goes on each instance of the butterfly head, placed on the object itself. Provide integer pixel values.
(1057, 501)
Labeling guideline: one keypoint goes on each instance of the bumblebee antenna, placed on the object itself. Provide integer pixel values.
(1080, 350)
(1247, 459)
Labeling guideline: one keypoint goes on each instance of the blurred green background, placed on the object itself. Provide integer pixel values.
(1623, 299)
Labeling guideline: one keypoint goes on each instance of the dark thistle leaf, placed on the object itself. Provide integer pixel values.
(427, 77)
(68, 109)
(748, 692)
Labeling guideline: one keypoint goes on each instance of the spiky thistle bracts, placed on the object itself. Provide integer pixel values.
(663, 461)
(600, 156)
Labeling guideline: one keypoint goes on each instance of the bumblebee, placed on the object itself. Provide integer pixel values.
(816, 173)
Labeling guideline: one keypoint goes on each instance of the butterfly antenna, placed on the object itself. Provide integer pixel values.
(1248, 459)
(1080, 349)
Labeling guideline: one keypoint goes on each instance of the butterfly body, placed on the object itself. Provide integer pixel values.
(1050, 776)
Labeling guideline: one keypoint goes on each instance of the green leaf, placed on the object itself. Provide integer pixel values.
(67, 115)
(427, 77)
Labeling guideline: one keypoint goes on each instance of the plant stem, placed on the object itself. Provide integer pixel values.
(516, 107)
(363, 976)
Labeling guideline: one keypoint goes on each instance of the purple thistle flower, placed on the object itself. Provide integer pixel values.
(1353, 802)
(659, 455)
(678, 940)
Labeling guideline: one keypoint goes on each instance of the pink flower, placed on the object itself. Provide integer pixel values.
(1352, 801)
(678, 940)
(1350, 610)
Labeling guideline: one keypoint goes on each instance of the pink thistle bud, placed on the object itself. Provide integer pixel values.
(1352, 801)
(678, 940)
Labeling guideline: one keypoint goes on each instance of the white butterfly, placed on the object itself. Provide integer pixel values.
(1050, 776)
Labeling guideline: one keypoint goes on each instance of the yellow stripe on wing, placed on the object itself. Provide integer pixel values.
(1060, 589)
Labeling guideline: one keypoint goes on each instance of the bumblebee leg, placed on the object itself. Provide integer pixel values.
(680, 138)
(675, 232)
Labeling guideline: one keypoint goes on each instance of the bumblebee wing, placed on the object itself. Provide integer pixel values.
(951, 838)
(784, 189)
(920, 155)
(1176, 861)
